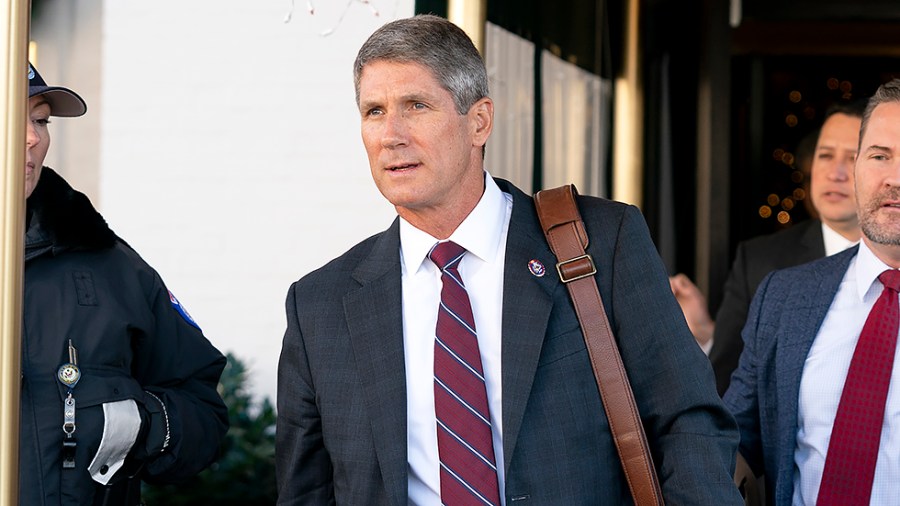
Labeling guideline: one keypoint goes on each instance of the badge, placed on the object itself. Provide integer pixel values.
(68, 374)
(182, 311)
(536, 268)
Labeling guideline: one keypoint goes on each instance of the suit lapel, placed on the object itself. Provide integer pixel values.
(376, 334)
(527, 304)
(811, 295)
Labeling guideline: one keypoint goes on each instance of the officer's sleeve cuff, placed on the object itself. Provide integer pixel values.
(121, 426)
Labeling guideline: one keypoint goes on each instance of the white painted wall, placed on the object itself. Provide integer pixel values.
(230, 154)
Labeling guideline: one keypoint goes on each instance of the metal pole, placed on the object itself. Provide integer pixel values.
(628, 132)
(471, 16)
(14, 27)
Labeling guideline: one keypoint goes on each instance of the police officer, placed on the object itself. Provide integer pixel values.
(119, 383)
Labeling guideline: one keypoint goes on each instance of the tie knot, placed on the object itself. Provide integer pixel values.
(446, 254)
(890, 279)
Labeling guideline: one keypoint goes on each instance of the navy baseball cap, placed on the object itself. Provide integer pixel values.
(63, 101)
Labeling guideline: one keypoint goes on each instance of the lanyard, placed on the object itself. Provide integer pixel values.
(68, 374)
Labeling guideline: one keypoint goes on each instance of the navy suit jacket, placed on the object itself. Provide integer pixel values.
(754, 259)
(342, 433)
(784, 318)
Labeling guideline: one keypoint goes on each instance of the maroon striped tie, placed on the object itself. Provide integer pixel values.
(465, 445)
(853, 450)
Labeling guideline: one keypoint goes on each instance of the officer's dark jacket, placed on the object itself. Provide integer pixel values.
(132, 337)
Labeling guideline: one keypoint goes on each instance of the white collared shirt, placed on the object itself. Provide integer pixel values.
(483, 235)
(824, 372)
(834, 242)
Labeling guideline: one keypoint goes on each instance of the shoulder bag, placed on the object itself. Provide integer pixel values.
(565, 231)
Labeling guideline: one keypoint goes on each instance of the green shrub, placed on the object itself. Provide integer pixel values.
(244, 474)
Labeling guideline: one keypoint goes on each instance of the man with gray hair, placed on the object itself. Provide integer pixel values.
(436, 363)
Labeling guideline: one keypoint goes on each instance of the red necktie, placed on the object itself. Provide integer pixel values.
(853, 450)
(465, 444)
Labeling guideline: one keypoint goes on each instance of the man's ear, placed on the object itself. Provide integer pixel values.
(481, 121)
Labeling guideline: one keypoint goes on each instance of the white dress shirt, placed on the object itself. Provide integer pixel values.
(824, 372)
(483, 235)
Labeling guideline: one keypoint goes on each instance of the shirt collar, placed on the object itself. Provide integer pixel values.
(834, 242)
(868, 268)
(479, 233)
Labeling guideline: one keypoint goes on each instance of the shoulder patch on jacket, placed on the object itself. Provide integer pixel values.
(182, 311)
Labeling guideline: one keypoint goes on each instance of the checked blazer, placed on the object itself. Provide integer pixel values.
(784, 318)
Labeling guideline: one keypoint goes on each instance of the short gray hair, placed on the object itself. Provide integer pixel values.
(887, 92)
(438, 45)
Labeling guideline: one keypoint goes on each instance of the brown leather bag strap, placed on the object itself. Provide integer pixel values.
(567, 236)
